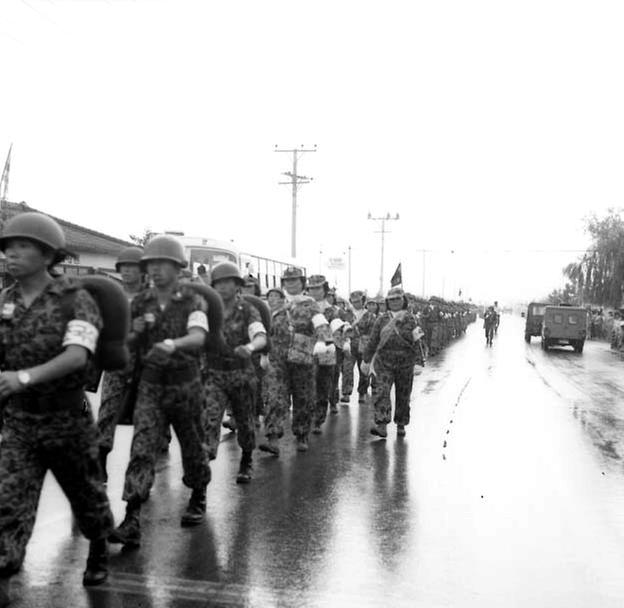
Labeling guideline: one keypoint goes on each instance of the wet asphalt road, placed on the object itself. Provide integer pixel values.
(507, 491)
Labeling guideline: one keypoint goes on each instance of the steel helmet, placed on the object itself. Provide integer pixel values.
(36, 227)
(292, 272)
(164, 247)
(129, 255)
(226, 270)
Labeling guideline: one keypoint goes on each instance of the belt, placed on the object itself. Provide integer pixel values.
(169, 376)
(54, 402)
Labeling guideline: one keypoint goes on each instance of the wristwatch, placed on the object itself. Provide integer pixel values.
(170, 343)
(23, 377)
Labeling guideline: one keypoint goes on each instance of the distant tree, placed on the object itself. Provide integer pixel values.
(568, 295)
(598, 276)
(141, 241)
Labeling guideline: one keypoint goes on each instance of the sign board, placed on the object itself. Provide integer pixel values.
(335, 263)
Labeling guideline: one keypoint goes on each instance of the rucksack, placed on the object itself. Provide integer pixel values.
(112, 351)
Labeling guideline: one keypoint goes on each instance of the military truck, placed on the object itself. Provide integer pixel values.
(564, 325)
(534, 318)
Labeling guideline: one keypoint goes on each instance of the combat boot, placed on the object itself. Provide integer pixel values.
(129, 532)
(229, 424)
(317, 430)
(333, 408)
(244, 471)
(97, 564)
(195, 510)
(379, 430)
(345, 399)
(362, 398)
(302, 443)
(400, 430)
(270, 445)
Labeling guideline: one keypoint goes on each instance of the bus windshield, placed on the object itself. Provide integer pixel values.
(209, 257)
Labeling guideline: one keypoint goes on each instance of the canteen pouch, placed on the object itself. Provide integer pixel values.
(300, 350)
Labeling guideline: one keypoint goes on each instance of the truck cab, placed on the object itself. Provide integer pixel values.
(534, 318)
(564, 326)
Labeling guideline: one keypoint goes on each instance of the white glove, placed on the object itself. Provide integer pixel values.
(365, 367)
(346, 347)
(417, 334)
(319, 348)
(264, 362)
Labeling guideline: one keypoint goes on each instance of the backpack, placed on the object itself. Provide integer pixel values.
(111, 352)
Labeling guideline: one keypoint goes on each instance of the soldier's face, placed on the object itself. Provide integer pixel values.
(395, 304)
(130, 273)
(293, 286)
(318, 293)
(357, 304)
(226, 288)
(163, 273)
(25, 258)
(371, 307)
(274, 299)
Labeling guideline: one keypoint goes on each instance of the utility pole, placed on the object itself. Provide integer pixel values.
(4, 180)
(295, 181)
(383, 220)
(349, 269)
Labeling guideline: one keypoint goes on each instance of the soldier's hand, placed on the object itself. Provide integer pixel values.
(264, 362)
(138, 325)
(242, 351)
(9, 384)
(346, 347)
(365, 367)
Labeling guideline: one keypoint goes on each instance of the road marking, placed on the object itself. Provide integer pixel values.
(448, 429)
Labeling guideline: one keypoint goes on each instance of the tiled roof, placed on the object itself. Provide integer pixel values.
(79, 238)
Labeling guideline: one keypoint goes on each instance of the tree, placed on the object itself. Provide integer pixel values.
(141, 241)
(598, 276)
(567, 295)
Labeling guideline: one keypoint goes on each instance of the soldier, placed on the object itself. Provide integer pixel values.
(252, 287)
(363, 328)
(353, 316)
(115, 384)
(391, 355)
(48, 424)
(299, 332)
(169, 328)
(326, 363)
(230, 376)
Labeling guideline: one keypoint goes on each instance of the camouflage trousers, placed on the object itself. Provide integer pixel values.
(64, 442)
(113, 390)
(403, 379)
(179, 404)
(348, 363)
(286, 380)
(235, 389)
(324, 392)
(258, 395)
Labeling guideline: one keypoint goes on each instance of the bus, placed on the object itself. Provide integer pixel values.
(209, 252)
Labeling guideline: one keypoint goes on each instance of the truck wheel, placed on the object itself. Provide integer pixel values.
(545, 344)
(578, 347)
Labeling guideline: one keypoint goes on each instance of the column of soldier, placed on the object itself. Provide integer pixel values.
(180, 376)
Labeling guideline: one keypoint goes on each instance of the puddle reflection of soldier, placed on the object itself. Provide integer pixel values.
(48, 424)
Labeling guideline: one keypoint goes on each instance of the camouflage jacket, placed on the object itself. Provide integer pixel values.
(171, 322)
(33, 335)
(393, 344)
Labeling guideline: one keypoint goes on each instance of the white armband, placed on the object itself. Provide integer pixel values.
(81, 333)
(199, 319)
(318, 320)
(255, 328)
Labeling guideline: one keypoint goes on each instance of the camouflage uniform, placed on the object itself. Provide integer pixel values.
(231, 380)
(170, 392)
(49, 426)
(363, 329)
(393, 363)
(294, 330)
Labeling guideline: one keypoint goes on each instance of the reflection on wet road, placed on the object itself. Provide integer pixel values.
(507, 491)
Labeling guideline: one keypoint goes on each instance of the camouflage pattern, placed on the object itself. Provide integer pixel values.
(402, 378)
(62, 440)
(235, 389)
(231, 381)
(292, 371)
(65, 443)
(176, 403)
(170, 392)
(362, 330)
(111, 403)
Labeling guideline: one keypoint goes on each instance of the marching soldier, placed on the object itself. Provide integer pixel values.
(299, 332)
(115, 384)
(364, 328)
(353, 316)
(169, 328)
(48, 424)
(391, 354)
(230, 376)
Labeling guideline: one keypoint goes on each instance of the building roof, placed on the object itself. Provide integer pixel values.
(79, 239)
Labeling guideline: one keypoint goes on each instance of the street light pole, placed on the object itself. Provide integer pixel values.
(383, 220)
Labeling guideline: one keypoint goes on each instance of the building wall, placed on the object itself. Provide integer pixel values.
(97, 260)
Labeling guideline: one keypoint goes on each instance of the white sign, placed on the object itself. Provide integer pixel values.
(335, 263)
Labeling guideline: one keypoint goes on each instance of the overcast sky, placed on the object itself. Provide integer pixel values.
(492, 128)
